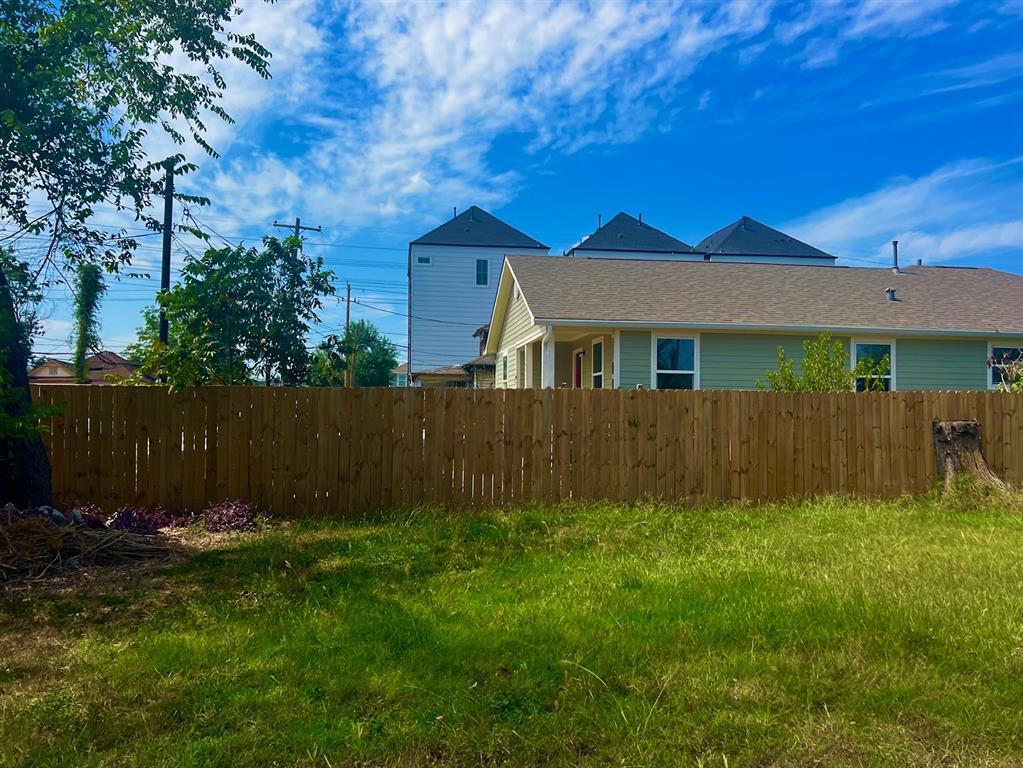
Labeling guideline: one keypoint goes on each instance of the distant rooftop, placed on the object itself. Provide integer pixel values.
(748, 237)
(476, 227)
(627, 233)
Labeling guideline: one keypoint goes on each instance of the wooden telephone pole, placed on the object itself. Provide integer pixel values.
(297, 228)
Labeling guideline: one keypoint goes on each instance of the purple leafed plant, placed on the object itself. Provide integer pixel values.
(229, 516)
(142, 520)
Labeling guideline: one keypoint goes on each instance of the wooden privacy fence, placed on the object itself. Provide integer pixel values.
(336, 451)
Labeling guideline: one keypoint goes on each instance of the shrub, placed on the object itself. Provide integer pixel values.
(229, 516)
(142, 520)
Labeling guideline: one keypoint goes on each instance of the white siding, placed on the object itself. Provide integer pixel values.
(581, 254)
(648, 255)
(446, 290)
(806, 260)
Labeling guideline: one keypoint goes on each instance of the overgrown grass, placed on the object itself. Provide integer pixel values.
(831, 632)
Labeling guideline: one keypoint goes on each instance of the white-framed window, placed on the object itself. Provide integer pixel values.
(482, 272)
(999, 356)
(674, 362)
(875, 351)
(504, 370)
(597, 363)
(424, 260)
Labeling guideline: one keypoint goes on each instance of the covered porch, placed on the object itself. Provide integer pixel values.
(566, 358)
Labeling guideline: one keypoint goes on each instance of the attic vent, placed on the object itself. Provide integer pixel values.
(891, 294)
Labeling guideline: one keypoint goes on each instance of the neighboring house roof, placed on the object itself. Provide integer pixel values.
(98, 367)
(714, 294)
(479, 228)
(748, 237)
(444, 372)
(106, 360)
(483, 361)
(401, 368)
(627, 233)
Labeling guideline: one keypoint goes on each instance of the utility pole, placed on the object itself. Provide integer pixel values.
(349, 381)
(168, 219)
(298, 229)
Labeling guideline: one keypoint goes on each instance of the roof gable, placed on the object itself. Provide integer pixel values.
(748, 237)
(476, 227)
(627, 233)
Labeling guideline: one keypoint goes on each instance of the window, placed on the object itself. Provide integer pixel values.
(875, 352)
(482, 272)
(674, 363)
(598, 364)
(422, 260)
(504, 369)
(1000, 358)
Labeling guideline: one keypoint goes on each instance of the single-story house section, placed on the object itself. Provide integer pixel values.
(564, 322)
(100, 368)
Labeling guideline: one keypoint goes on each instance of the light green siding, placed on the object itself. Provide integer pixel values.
(940, 364)
(738, 361)
(517, 327)
(634, 356)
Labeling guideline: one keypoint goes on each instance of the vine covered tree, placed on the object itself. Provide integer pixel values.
(89, 289)
(81, 84)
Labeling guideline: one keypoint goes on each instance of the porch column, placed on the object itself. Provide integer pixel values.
(547, 359)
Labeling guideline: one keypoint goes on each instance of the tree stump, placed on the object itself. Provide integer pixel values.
(958, 451)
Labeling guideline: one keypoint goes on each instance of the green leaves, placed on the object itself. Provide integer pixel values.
(824, 368)
(81, 81)
(364, 348)
(239, 314)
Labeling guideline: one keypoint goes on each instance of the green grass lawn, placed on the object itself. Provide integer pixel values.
(829, 632)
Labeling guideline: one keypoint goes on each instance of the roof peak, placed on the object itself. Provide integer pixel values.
(624, 232)
(477, 227)
(748, 237)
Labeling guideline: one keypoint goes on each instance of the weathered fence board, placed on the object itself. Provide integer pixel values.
(298, 452)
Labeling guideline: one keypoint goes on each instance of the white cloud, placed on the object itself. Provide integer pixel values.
(828, 25)
(957, 211)
(409, 131)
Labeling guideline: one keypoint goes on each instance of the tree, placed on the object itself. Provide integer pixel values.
(238, 314)
(824, 368)
(88, 292)
(364, 348)
(81, 83)
(26, 293)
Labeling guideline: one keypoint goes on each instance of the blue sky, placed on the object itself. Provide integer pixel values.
(847, 124)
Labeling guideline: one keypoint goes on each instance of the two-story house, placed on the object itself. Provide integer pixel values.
(453, 274)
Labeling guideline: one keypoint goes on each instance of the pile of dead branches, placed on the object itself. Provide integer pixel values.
(35, 546)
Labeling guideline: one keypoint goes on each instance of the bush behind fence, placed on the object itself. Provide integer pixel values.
(297, 451)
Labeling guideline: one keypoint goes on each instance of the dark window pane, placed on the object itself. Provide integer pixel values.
(886, 385)
(675, 381)
(598, 381)
(874, 353)
(676, 355)
(481, 271)
(598, 358)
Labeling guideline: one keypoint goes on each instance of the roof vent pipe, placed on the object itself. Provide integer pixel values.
(600, 218)
(641, 217)
(895, 256)
(919, 262)
(891, 294)
(454, 211)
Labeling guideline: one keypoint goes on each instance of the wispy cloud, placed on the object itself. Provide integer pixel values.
(827, 26)
(957, 211)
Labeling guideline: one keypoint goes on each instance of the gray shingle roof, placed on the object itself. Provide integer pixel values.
(475, 226)
(748, 237)
(627, 233)
(982, 301)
